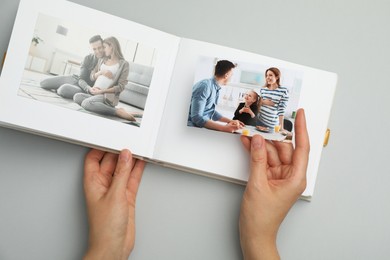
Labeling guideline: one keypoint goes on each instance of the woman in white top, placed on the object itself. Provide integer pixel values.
(103, 81)
(110, 75)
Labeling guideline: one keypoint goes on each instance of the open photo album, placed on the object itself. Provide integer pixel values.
(98, 80)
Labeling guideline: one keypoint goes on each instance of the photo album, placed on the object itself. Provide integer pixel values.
(101, 81)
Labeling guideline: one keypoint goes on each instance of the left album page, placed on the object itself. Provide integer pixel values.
(84, 76)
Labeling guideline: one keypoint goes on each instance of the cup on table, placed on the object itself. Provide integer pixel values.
(277, 128)
(245, 132)
(294, 113)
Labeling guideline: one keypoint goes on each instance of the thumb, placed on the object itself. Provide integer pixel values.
(258, 160)
(122, 172)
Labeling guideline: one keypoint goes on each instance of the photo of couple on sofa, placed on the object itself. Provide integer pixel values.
(263, 109)
(105, 78)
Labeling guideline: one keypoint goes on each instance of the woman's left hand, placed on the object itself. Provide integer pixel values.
(111, 183)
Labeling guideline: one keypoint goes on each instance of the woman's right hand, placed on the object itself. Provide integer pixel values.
(276, 181)
(107, 74)
(95, 91)
(268, 102)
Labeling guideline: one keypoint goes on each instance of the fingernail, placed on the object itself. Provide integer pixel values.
(257, 142)
(124, 156)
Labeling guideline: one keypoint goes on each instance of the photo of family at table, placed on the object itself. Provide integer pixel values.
(244, 98)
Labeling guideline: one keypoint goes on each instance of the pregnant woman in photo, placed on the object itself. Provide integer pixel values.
(273, 102)
(111, 78)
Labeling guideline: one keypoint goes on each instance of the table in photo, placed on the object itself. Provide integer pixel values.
(71, 67)
(274, 136)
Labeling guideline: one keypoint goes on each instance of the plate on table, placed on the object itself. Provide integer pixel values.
(263, 129)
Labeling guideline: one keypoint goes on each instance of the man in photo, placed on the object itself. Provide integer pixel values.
(205, 94)
(67, 86)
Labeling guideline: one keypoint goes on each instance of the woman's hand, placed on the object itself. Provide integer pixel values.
(96, 91)
(108, 74)
(111, 183)
(276, 181)
(267, 102)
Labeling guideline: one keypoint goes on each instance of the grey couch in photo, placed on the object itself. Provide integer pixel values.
(137, 89)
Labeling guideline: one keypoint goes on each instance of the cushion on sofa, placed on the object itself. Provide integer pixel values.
(140, 74)
(137, 88)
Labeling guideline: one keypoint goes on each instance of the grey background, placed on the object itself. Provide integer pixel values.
(184, 216)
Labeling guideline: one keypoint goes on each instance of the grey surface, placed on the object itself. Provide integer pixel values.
(184, 216)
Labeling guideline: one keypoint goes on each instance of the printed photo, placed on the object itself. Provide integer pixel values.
(243, 98)
(88, 70)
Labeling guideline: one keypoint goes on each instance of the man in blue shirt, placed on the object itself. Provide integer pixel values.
(204, 99)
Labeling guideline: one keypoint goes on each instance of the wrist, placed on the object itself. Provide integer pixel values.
(226, 128)
(104, 246)
(102, 252)
(260, 248)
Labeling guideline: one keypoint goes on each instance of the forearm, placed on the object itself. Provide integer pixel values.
(103, 244)
(210, 124)
(109, 90)
(102, 253)
(259, 249)
(281, 119)
(252, 114)
(93, 72)
(84, 85)
(224, 120)
(260, 102)
(104, 250)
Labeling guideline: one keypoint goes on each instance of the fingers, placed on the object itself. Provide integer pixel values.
(246, 141)
(285, 151)
(272, 155)
(302, 145)
(108, 164)
(135, 177)
(258, 160)
(237, 124)
(122, 171)
(272, 152)
(92, 163)
(91, 170)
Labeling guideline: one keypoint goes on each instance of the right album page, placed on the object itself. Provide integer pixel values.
(218, 93)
